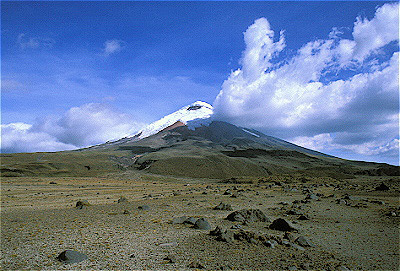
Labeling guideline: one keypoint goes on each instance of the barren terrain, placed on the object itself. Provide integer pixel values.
(350, 226)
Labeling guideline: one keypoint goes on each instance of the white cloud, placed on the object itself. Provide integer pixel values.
(82, 126)
(26, 42)
(113, 46)
(324, 142)
(370, 35)
(17, 137)
(294, 98)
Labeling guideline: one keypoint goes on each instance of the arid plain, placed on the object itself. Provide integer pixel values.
(348, 223)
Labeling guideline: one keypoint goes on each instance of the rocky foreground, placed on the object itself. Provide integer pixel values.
(160, 224)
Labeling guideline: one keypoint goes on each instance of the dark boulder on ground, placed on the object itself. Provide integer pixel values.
(281, 224)
(217, 231)
(382, 187)
(223, 206)
(80, 204)
(294, 212)
(71, 256)
(303, 217)
(248, 215)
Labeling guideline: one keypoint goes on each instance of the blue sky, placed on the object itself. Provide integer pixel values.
(65, 65)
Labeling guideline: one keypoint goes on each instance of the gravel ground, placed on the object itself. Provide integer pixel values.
(39, 221)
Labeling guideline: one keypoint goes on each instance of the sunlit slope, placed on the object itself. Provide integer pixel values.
(219, 150)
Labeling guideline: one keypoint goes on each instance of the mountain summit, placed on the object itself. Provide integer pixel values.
(194, 115)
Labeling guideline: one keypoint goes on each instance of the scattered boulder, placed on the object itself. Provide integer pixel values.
(312, 196)
(291, 244)
(190, 220)
(202, 224)
(341, 201)
(179, 220)
(304, 242)
(71, 256)
(226, 236)
(270, 243)
(350, 197)
(380, 202)
(303, 217)
(281, 224)
(170, 259)
(393, 214)
(223, 206)
(196, 265)
(248, 236)
(237, 227)
(126, 212)
(293, 212)
(248, 215)
(144, 207)
(217, 231)
(228, 192)
(80, 204)
(289, 236)
(122, 199)
(283, 203)
(382, 187)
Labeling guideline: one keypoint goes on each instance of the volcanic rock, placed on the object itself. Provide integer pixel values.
(122, 199)
(223, 206)
(382, 187)
(144, 207)
(82, 204)
(281, 224)
(302, 241)
(71, 256)
(202, 224)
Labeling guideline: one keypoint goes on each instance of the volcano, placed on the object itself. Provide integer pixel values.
(192, 143)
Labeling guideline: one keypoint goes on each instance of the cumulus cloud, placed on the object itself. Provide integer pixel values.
(26, 42)
(113, 46)
(82, 126)
(324, 142)
(328, 87)
(18, 137)
(381, 30)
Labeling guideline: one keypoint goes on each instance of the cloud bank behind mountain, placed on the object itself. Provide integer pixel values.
(332, 94)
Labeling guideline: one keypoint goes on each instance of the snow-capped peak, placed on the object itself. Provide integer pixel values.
(194, 115)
